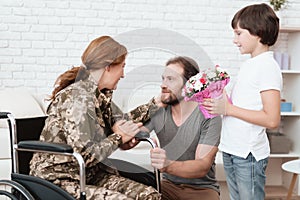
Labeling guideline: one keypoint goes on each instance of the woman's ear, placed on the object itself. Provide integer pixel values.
(107, 68)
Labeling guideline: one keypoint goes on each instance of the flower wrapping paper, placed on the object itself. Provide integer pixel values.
(208, 83)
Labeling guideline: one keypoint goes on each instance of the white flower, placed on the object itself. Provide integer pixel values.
(211, 74)
(198, 85)
(220, 69)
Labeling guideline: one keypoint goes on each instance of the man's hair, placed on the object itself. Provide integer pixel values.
(260, 20)
(190, 67)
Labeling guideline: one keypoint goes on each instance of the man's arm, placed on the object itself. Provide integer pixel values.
(204, 158)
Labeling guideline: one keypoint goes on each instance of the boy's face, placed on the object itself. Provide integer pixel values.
(247, 43)
(172, 83)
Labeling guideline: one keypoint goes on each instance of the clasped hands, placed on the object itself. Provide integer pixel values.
(127, 129)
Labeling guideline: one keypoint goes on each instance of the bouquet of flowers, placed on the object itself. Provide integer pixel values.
(208, 83)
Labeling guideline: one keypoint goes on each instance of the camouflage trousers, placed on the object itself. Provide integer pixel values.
(112, 187)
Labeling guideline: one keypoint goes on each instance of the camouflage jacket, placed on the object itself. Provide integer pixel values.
(82, 116)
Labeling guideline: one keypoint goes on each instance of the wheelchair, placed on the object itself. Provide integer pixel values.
(24, 137)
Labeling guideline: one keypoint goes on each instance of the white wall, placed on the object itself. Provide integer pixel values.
(39, 39)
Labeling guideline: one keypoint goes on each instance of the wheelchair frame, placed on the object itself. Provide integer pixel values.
(54, 148)
(43, 147)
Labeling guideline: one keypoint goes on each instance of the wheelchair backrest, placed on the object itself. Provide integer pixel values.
(27, 129)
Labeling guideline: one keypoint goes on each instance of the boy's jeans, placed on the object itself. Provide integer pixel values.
(245, 177)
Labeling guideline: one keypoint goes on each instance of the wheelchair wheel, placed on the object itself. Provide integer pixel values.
(14, 190)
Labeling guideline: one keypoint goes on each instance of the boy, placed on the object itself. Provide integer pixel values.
(255, 104)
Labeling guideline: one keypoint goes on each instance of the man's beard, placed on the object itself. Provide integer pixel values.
(172, 99)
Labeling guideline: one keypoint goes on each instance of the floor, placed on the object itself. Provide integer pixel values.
(140, 156)
(272, 193)
(224, 191)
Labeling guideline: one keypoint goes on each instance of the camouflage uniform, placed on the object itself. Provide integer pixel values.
(82, 117)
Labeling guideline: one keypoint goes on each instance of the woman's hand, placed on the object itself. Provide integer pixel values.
(127, 129)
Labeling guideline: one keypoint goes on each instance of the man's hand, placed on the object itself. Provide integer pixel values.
(159, 159)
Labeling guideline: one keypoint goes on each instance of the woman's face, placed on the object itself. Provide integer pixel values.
(116, 72)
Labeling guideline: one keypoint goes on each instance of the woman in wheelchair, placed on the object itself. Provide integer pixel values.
(82, 115)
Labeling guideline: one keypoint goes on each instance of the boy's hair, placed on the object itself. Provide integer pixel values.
(190, 66)
(260, 20)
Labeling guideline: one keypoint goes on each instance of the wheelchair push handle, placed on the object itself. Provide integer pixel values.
(142, 135)
(4, 115)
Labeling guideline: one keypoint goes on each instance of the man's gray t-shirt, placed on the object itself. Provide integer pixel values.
(181, 142)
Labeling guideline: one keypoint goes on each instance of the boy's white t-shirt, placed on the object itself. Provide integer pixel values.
(239, 137)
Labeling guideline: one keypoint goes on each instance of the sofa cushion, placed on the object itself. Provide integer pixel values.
(20, 102)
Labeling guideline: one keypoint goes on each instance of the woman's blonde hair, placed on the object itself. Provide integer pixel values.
(101, 52)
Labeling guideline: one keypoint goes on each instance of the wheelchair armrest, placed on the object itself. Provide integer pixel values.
(45, 146)
(59, 148)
